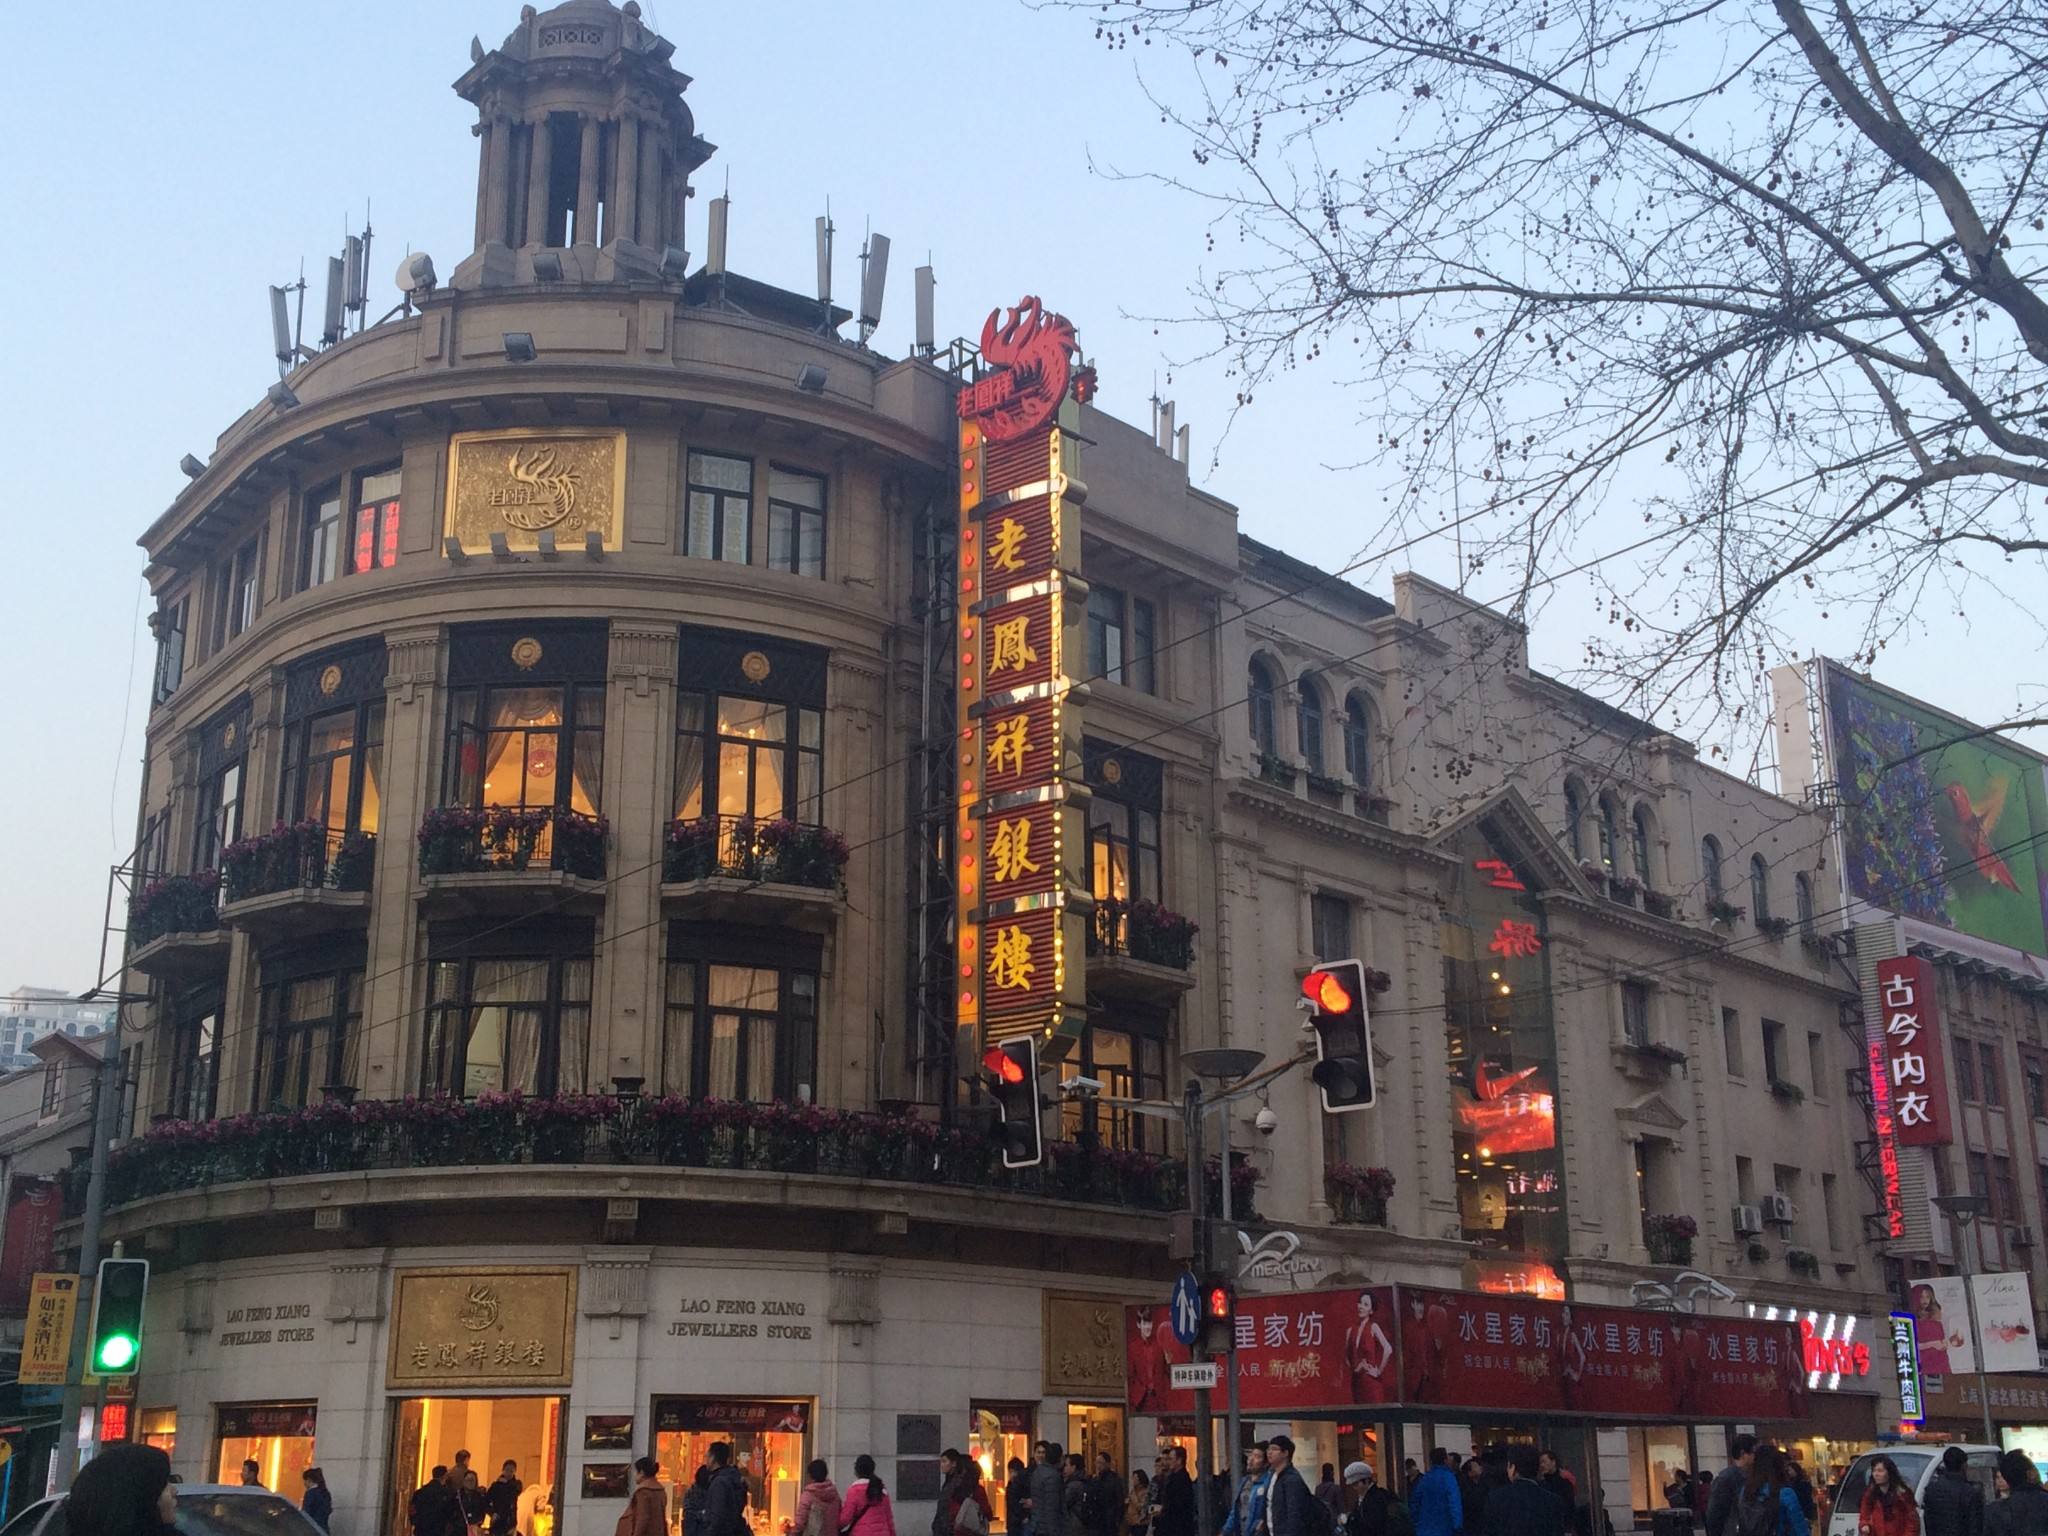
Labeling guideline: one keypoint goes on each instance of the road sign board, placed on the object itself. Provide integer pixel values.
(1185, 1308)
(1198, 1377)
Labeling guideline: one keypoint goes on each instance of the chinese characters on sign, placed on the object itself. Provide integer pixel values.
(1015, 833)
(482, 1327)
(1915, 1074)
(46, 1341)
(1906, 1355)
(1320, 1349)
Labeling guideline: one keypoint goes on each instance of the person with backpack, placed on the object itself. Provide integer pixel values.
(1726, 1493)
(1374, 1510)
(725, 1501)
(2024, 1509)
(865, 1510)
(1291, 1510)
(1768, 1506)
(1077, 1495)
(697, 1503)
(817, 1507)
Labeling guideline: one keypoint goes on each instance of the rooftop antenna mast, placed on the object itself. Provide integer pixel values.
(927, 306)
(824, 228)
(285, 329)
(874, 276)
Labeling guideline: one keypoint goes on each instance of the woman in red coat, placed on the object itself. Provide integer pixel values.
(1887, 1508)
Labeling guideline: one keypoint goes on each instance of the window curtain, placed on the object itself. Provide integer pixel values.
(507, 1004)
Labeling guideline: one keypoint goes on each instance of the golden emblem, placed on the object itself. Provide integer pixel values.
(228, 733)
(330, 679)
(1112, 771)
(755, 666)
(479, 1310)
(526, 653)
(565, 482)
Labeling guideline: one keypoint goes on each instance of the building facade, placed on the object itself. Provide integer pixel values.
(28, 1014)
(539, 878)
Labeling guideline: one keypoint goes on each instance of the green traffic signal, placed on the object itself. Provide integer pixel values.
(116, 1351)
(117, 1303)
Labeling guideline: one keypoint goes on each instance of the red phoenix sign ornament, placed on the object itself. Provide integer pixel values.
(1034, 353)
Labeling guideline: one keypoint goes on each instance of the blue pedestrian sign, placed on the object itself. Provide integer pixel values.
(1186, 1306)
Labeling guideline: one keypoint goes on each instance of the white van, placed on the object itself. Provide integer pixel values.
(1916, 1464)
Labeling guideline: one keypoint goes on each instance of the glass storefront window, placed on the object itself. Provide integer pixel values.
(769, 1441)
(278, 1437)
(1657, 1457)
(527, 1431)
(997, 1434)
(160, 1429)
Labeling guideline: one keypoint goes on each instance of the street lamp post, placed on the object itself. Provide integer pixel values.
(1226, 1065)
(1962, 1212)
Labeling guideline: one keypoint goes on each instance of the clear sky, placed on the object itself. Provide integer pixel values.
(167, 162)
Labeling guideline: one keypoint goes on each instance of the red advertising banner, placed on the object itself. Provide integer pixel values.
(1320, 1349)
(34, 1207)
(1916, 1071)
(1429, 1349)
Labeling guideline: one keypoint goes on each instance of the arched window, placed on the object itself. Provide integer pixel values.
(1308, 721)
(1802, 903)
(1575, 819)
(1610, 835)
(1358, 741)
(1639, 843)
(1759, 888)
(1710, 871)
(1262, 710)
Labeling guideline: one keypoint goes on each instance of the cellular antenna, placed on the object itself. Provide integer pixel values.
(714, 256)
(825, 262)
(874, 276)
(927, 295)
(280, 329)
(337, 296)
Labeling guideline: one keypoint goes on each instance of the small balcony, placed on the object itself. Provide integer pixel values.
(1358, 1196)
(734, 867)
(174, 927)
(1140, 950)
(476, 862)
(298, 880)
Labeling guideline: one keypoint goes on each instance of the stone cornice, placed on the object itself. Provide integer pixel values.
(1251, 796)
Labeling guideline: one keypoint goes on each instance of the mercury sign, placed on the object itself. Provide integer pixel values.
(1906, 1354)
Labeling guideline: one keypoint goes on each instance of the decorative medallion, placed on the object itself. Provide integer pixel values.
(755, 666)
(526, 653)
(564, 482)
(228, 734)
(330, 679)
(1112, 771)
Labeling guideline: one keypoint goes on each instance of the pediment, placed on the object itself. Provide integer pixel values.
(1652, 1112)
(1509, 822)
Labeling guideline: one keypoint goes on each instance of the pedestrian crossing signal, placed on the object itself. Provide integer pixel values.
(1219, 1315)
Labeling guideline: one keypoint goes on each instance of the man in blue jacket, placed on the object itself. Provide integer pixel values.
(1248, 1509)
(1436, 1506)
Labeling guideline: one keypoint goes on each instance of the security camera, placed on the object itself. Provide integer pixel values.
(1082, 1088)
(1266, 1121)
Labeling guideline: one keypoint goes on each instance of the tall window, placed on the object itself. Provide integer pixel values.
(1989, 1077)
(1121, 638)
(1309, 722)
(1817, 1062)
(2037, 1092)
(742, 1017)
(223, 762)
(1731, 1041)
(1639, 842)
(1129, 1060)
(1963, 1059)
(1635, 1012)
(1143, 671)
(1260, 697)
(718, 503)
(1610, 835)
(1358, 741)
(308, 1037)
(1759, 888)
(238, 592)
(796, 522)
(53, 1088)
(1802, 904)
(333, 743)
(171, 621)
(195, 1043)
(1123, 826)
(1329, 926)
(1830, 1207)
(1775, 1064)
(508, 1024)
(1710, 870)
(748, 757)
(321, 538)
(2005, 1189)
(534, 746)
(374, 545)
(1575, 819)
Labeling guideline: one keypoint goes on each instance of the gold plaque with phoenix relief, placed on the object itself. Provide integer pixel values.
(522, 483)
(482, 1328)
(1084, 1345)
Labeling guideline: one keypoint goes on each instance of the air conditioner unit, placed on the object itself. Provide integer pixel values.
(1778, 1209)
(1749, 1221)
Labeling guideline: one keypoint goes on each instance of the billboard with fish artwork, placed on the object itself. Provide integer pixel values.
(1940, 822)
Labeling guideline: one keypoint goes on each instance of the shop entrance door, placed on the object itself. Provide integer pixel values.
(998, 1433)
(1094, 1427)
(769, 1439)
(426, 1432)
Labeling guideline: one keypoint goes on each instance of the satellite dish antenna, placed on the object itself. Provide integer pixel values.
(874, 276)
(927, 305)
(337, 295)
(416, 275)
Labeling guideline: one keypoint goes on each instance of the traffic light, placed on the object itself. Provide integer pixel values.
(117, 1317)
(1219, 1315)
(1012, 1070)
(1334, 994)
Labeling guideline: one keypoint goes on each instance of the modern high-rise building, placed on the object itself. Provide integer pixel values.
(554, 894)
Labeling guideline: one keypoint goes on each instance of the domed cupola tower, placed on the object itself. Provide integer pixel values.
(586, 148)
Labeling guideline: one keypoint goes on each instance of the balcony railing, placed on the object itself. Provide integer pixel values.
(778, 852)
(174, 904)
(600, 1129)
(1359, 1195)
(1142, 930)
(456, 840)
(303, 855)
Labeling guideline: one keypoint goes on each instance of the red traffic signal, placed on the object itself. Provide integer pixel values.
(1335, 994)
(1001, 1065)
(1219, 1315)
(1012, 1072)
(1326, 990)
(1217, 1302)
